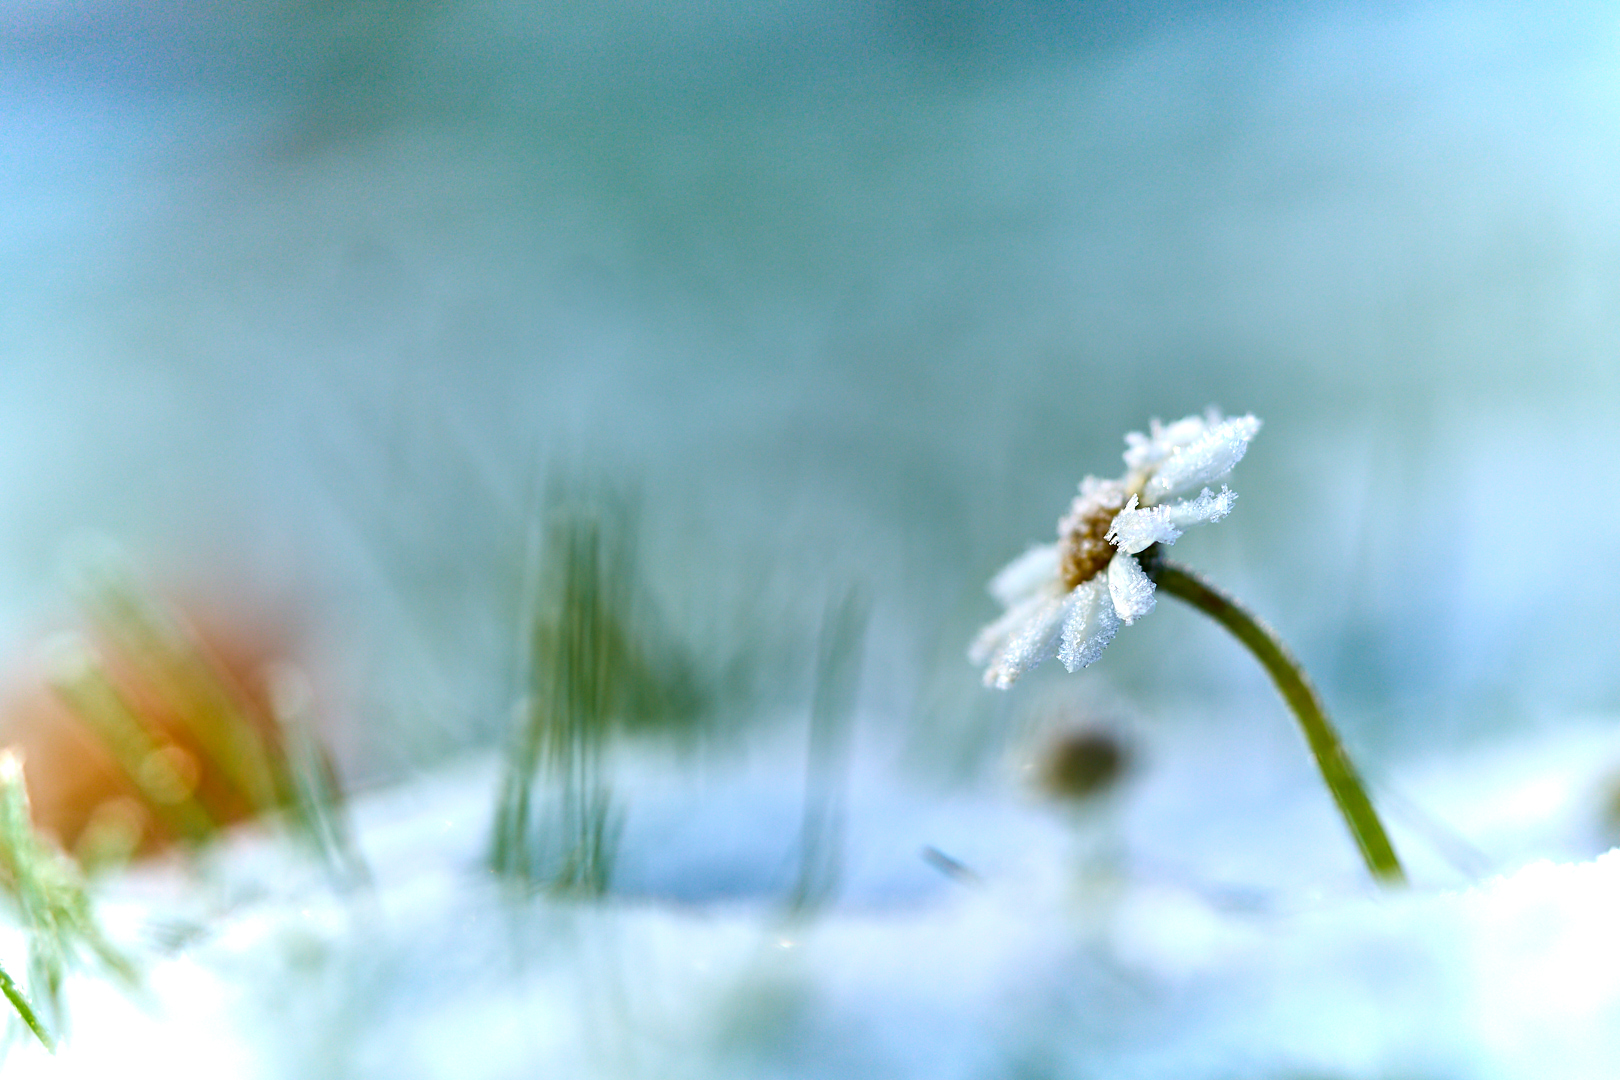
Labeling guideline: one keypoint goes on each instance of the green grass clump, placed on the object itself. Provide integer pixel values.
(202, 746)
(597, 666)
(52, 905)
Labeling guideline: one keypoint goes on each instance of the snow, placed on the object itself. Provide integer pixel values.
(1094, 943)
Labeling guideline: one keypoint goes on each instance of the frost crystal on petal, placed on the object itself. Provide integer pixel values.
(1208, 457)
(1129, 587)
(1145, 451)
(1136, 529)
(993, 637)
(1207, 507)
(1096, 497)
(1090, 626)
(1025, 575)
(1030, 644)
(1095, 492)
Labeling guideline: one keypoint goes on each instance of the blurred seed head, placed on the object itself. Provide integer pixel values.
(1078, 764)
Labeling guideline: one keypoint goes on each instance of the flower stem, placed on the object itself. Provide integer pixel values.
(1337, 771)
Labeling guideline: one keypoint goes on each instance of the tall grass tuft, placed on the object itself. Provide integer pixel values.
(52, 905)
(832, 710)
(160, 732)
(597, 666)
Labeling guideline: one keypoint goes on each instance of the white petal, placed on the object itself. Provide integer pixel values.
(1135, 529)
(1130, 588)
(1091, 624)
(1208, 457)
(1143, 451)
(1028, 644)
(1024, 576)
(1108, 493)
(994, 636)
(1207, 507)
(1140, 451)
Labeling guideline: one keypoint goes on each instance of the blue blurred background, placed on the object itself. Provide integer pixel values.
(314, 298)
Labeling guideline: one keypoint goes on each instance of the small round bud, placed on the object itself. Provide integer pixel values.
(1081, 764)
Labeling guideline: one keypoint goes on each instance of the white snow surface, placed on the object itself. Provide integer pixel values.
(1184, 929)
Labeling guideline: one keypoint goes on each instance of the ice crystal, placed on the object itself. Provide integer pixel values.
(1071, 597)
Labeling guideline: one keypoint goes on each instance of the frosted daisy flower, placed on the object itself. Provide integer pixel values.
(1071, 597)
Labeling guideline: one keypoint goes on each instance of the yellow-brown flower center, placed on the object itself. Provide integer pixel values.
(1086, 550)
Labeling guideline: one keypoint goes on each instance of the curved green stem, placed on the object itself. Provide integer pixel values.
(1262, 641)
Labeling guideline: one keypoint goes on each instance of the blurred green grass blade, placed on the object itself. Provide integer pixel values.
(14, 994)
(832, 708)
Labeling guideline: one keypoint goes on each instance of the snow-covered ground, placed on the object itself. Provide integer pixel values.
(1168, 933)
